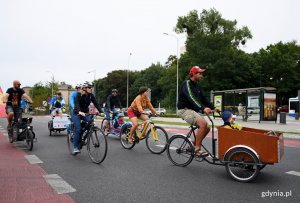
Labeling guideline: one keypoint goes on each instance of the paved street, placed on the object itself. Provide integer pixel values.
(138, 176)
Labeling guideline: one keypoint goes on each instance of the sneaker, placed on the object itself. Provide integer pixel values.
(76, 151)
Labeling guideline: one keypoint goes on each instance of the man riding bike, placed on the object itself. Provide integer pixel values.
(191, 101)
(112, 102)
(56, 104)
(12, 98)
(82, 103)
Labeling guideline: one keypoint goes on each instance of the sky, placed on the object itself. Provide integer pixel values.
(69, 38)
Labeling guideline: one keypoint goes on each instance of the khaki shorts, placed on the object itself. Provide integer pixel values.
(190, 116)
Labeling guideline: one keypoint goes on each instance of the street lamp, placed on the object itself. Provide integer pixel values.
(51, 83)
(177, 40)
(128, 79)
(94, 71)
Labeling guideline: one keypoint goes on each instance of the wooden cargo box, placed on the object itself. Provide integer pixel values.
(269, 148)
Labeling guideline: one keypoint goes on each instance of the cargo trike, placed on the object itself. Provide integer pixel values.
(243, 152)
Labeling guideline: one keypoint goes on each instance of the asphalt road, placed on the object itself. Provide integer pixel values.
(138, 176)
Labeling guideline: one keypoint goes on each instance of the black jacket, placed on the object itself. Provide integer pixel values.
(191, 96)
(82, 103)
(112, 101)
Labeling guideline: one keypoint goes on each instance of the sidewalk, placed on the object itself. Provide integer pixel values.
(291, 129)
(21, 181)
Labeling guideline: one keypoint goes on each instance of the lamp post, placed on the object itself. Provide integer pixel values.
(51, 82)
(128, 79)
(94, 71)
(177, 43)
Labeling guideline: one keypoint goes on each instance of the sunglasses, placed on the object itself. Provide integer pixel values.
(19, 84)
(89, 87)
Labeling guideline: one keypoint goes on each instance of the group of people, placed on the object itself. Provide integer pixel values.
(191, 101)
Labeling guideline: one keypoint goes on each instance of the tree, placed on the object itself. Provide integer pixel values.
(213, 42)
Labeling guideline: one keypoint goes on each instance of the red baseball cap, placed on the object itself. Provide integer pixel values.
(196, 69)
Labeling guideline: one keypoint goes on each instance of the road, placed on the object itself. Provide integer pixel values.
(138, 176)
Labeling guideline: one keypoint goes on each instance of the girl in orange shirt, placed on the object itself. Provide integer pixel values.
(136, 110)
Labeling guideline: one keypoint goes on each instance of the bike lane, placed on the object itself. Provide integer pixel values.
(21, 181)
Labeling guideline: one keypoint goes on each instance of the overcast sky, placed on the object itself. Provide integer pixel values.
(71, 37)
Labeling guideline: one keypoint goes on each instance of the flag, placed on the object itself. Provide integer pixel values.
(2, 105)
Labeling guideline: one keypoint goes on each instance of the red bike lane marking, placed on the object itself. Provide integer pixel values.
(287, 142)
(21, 181)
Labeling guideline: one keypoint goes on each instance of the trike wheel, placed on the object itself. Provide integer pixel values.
(97, 146)
(241, 164)
(104, 124)
(180, 150)
(29, 139)
(156, 140)
(124, 138)
(70, 142)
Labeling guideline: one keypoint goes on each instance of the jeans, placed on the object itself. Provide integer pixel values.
(77, 127)
(107, 112)
(71, 115)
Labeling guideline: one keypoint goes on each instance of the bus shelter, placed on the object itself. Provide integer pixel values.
(249, 104)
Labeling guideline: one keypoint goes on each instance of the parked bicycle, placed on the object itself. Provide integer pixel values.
(156, 136)
(92, 137)
(21, 128)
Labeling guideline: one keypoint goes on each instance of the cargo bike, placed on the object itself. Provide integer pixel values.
(243, 152)
(58, 123)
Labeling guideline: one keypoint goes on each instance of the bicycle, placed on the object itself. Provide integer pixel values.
(91, 136)
(21, 129)
(156, 136)
(238, 150)
(107, 124)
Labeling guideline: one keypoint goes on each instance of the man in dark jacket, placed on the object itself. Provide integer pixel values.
(112, 102)
(191, 101)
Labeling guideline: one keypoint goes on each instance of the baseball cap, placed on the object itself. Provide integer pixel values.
(196, 69)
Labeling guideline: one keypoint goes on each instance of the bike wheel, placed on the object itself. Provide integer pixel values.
(97, 146)
(242, 164)
(124, 138)
(104, 124)
(29, 139)
(70, 142)
(180, 150)
(156, 140)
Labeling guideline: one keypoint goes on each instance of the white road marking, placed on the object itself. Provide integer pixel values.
(58, 184)
(32, 159)
(173, 148)
(5, 134)
(295, 173)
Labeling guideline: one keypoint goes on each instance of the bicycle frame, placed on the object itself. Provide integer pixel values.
(146, 124)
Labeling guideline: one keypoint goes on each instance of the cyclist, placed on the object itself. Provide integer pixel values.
(191, 100)
(12, 98)
(82, 102)
(72, 103)
(112, 101)
(136, 110)
(56, 104)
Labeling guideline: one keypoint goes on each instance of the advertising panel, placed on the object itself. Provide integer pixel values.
(269, 107)
(218, 104)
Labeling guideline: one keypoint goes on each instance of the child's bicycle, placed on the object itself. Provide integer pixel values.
(156, 136)
(92, 137)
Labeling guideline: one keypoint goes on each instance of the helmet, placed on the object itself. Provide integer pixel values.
(120, 115)
(196, 69)
(87, 84)
(114, 90)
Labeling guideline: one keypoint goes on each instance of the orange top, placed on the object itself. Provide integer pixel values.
(141, 102)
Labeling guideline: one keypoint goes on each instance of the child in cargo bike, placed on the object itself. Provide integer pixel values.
(229, 121)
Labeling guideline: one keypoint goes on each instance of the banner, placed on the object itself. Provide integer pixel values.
(2, 105)
(270, 106)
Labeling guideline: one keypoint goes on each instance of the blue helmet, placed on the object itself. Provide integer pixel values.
(226, 116)
(120, 115)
